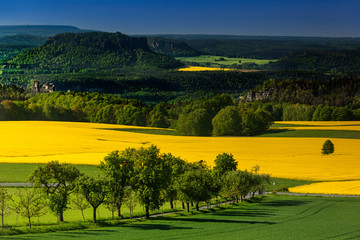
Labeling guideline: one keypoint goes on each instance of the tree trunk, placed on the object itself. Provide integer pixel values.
(2, 222)
(29, 223)
(192, 204)
(197, 206)
(94, 214)
(241, 198)
(187, 207)
(237, 199)
(182, 205)
(171, 204)
(147, 214)
(119, 210)
(82, 213)
(60, 216)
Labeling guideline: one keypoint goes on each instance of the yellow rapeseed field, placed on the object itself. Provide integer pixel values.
(344, 187)
(197, 69)
(88, 143)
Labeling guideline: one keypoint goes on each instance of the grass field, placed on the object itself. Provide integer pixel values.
(295, 157)
(273, 218)
(226, 62)
(9, 172)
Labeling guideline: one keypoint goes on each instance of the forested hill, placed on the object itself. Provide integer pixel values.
(93, 51)
(260, 47)
(335, 61)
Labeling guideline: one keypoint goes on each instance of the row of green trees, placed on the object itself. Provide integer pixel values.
(142, 175)
(304, 112)
(201, 117)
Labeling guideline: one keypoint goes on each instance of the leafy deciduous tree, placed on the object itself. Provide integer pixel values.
(118, 168)
(94, 191)
(4, 204)
(31, 204)
(57, 180)
(151, 177)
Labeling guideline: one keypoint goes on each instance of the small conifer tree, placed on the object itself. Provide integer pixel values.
(327, 148)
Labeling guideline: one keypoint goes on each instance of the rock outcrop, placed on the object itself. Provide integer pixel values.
(45, 88)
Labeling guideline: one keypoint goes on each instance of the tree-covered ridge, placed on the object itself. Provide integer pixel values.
(261, 47)
(70, 52)
(320, 60)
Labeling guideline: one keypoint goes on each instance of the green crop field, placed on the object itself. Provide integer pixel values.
(219, 60)
(275, 217)
(312, 133)
(19, 172)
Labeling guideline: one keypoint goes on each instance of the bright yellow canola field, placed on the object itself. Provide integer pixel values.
(88, 143)
(197, 69)
(344, 187)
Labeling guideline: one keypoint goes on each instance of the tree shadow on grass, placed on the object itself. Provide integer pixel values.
(284, 203)
(155, 226)
(212, 220)
(245, 213)
(144, 130)
(70, 234)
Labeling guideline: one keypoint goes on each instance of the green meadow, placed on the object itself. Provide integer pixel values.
(275, 217)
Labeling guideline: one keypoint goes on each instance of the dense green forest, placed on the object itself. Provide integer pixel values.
(94, 51)
(8, 51)
(320, 60)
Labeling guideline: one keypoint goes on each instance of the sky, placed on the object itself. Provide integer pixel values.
(327, 18)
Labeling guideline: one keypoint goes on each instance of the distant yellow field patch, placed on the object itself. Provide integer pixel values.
(198, 69)
(88, 143)
(346, 188)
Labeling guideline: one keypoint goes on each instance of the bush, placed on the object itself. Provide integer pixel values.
(281, 189)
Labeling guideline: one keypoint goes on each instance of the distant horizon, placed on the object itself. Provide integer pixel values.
(159, 34)
(298, 18)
